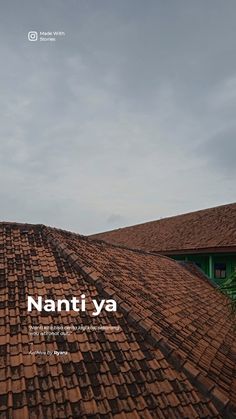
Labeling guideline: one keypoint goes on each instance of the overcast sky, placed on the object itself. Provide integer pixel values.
(127, 118)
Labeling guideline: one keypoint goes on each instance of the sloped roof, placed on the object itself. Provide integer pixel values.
(170, 354)
(213, 228)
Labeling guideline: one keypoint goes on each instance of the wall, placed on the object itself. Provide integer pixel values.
(206, 262)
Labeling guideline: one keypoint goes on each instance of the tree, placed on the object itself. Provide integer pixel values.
(229, 287)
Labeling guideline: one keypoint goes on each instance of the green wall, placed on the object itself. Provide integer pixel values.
(207, 262)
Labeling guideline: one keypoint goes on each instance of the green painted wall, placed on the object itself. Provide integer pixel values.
(207, 262)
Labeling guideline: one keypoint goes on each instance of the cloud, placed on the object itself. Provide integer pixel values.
(127, 119)
(220, 151)
(115, 219)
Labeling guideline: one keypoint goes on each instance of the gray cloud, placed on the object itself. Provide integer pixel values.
(220, 152)
(115, 219)
(131, 115)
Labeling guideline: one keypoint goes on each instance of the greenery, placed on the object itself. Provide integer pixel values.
(229, 287)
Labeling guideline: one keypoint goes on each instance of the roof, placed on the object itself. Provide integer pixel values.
(213, 228)
(168, 352)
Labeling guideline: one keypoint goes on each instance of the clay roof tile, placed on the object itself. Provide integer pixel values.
(164, 354)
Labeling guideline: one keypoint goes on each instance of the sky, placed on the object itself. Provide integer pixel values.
(128, 117)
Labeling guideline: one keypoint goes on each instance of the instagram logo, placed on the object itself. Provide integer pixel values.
(32, 36)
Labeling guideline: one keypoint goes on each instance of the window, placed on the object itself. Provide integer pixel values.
(220, 270)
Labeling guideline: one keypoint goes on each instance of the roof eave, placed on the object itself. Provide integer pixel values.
(205, 250)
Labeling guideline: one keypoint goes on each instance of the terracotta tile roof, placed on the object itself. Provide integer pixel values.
(170, 354)
(209, 228)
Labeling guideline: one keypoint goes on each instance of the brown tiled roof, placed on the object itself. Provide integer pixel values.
(170, 354)
(213, 228)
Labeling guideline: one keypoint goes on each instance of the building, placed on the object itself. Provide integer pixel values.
(206, 237)
(169, 350)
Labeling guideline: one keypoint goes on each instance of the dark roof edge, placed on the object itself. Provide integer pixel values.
(20, 225)
(198, 250)
(197, 378)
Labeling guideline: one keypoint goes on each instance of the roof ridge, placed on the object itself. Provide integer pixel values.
(19, 224)
(108, 244)
(153, 253)
(134, 250)
(197, 378)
